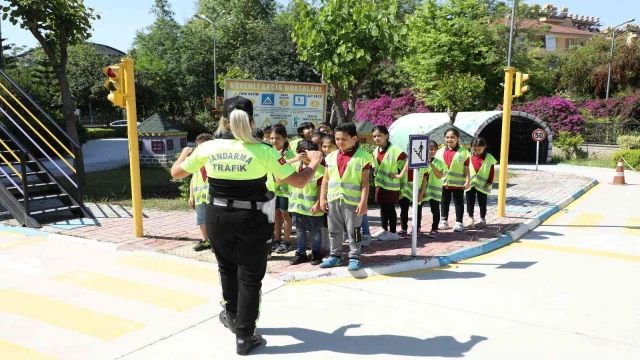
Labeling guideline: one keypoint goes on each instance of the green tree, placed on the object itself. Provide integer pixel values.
(345, 40)
(86, 79)
(56, 24)
(452, 44)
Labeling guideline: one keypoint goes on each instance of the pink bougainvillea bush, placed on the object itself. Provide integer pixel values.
(623, 109)
(558, 113)
(385, 110)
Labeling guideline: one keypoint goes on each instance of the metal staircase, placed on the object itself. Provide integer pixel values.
(41, 173)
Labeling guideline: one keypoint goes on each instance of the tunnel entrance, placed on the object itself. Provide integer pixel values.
(522, 148)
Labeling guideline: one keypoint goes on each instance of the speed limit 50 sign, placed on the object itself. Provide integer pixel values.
(539, 135)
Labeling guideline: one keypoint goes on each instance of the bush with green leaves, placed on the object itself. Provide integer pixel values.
(106, 133)
(569, 144)
(631, 156)
(629, 142)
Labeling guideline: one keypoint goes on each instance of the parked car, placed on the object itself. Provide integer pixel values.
(120, 123)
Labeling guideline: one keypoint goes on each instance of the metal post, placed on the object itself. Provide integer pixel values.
(537, 153)
(506, 135)
(215, 71)
(513, 17)
(134, 154)
(613, 37)
(414, 219)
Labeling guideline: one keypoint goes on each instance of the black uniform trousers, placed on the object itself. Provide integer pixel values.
(239, 240)
(458, 201)
(471, 201)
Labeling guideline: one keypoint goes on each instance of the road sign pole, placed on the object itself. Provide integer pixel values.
(415, 220)
(537, 153)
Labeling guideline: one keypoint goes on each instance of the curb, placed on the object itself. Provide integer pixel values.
(49, 236)
(446, 259)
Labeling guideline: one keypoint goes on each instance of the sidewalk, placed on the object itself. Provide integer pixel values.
(529, 193)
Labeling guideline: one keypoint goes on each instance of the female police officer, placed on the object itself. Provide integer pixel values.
(239, 218)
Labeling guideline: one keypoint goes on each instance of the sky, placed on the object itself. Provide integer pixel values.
(121, 19)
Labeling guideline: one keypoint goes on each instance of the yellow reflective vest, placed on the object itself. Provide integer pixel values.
(347, 188)
(480, 179)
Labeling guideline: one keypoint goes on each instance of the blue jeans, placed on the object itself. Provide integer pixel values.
(365, 225)
(313, 225)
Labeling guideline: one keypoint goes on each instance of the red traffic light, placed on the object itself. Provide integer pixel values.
(110, 73)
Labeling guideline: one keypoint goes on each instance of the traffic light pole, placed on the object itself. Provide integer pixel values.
(505, 138)
(134, 152)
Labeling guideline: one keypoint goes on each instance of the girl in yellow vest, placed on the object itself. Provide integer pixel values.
(199, 197)
(482, 173)
(389, 163)
(344, 194)
(280, 142)
(431, 188)
(304, 205)
(456, 178)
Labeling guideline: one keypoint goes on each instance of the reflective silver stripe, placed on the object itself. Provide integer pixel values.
(331, 197)
(481, 178)
(303, 197)
(299, 207)
(335, 184)
(201, 188)
(387, 184)
(449, 174)
(435, 188)
(455, 183)
(384, 173)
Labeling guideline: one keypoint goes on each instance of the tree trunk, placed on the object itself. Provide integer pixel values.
(452, 116)
(68, 106)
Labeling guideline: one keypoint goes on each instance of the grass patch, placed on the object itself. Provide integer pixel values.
(113, 187)
(592, 162)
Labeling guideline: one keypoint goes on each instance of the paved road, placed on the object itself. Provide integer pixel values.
(565, 291)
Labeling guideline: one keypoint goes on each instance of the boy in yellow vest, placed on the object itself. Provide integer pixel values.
(199, 197)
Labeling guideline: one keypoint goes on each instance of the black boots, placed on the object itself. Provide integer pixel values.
(245, 345)
(228, 320)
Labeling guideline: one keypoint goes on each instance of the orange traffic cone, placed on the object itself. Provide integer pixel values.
(619, 178)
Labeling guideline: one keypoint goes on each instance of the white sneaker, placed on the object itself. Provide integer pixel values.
(378, 233)
(482, 223)
(458, 227)
(366, 240)
(444, 225)
(389, 236)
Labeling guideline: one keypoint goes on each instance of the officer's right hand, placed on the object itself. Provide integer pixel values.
(315, 156)
(187, 151)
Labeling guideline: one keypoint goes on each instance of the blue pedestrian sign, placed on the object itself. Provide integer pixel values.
(268, 99)
(418, 151)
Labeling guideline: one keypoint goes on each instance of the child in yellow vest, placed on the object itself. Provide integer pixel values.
(482, 174)
(280, 142)
(305, 208)
(431, 188)
(344, 195)
(456, 178)
(199, 197)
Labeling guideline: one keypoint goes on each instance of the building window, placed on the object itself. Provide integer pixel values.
(183, 143)
(157, 146)
(570, 43)
(170, 144)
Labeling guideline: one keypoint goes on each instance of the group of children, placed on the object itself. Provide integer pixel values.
(335, 201)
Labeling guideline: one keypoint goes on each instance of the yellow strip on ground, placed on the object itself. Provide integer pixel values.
(587, 220)
(572, 250)
(171, 268)
(14, 352)
(632, 227)
(131, 290)
(57, 313)
(13, 244)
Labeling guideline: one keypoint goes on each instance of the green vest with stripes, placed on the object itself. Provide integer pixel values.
(302, 200)
(347, 188)
(200, 189)
(433, 191)
(282, 189)
(388, 167)
(407, 186)
(480, 179)
(454, 174)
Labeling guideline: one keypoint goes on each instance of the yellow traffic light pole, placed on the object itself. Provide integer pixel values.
(134, 151)
(122, 87)
(504, 140)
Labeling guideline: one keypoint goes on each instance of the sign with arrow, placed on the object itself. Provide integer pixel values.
(418, 151)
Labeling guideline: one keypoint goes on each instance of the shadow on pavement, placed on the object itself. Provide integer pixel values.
(339, 342)
(541, 235)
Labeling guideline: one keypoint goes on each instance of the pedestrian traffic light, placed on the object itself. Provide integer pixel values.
(115, 84)
(521, 79)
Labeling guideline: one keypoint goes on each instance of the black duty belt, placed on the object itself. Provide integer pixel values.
(236, 204)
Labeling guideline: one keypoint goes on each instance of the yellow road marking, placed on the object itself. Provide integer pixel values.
(136, 291)
(15, 240)
(15, 352)
(172, 268)
(632, 223)
(81, 320)
(587, 220)
(567, 209)
(572, 250)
